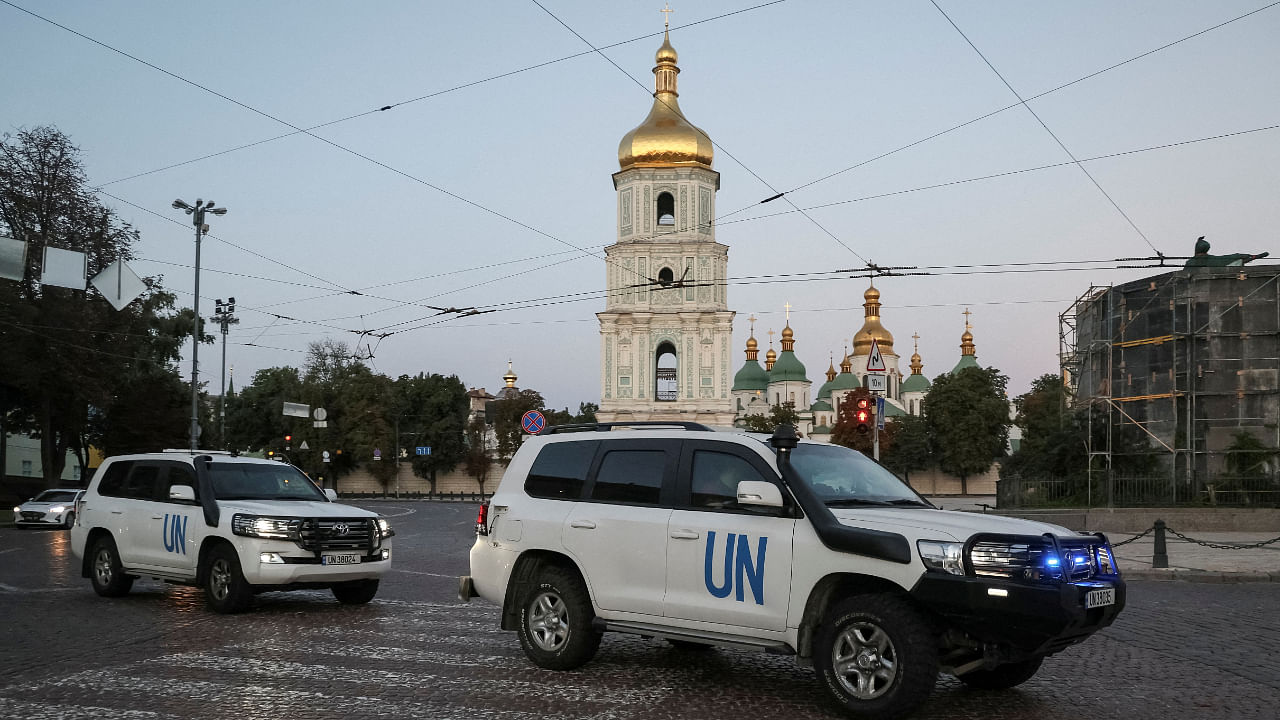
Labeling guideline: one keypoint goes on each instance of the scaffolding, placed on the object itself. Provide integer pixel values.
(1185, 362)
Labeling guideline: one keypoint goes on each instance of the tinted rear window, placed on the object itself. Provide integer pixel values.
(630, 476)
(112, 484)
(560, 470)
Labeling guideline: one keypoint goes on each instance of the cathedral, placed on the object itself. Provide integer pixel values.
(666, 331)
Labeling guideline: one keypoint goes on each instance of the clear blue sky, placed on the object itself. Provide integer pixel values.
(794, 91)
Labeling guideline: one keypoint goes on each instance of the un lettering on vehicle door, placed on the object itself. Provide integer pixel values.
(729, 568)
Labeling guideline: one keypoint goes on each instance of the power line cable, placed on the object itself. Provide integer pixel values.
(1044, 125)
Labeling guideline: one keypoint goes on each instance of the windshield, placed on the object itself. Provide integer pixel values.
(841, 477)
(55, 496)
(255, 481)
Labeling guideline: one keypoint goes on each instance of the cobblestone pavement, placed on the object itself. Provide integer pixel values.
(1180, 650)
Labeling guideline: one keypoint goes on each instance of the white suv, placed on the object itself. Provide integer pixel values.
(717, 538)
(235, 526)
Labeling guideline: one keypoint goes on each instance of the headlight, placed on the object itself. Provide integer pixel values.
(384, 528)
(941, 556)
(57, 508)
(262, 527)
(17, 509)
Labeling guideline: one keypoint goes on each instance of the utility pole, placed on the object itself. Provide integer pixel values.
(197, 213)
(224, 316)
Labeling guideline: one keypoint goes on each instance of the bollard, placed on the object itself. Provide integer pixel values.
(1160, 559)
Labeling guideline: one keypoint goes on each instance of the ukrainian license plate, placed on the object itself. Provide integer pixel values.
(1100, 598)
(343, 559)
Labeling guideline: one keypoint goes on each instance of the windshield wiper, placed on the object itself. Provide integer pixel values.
(910, 501)
(857, 502)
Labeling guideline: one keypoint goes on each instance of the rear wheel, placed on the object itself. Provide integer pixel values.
(876, 657)
(1002, 677)
(106, 572)
(555, 621)
(225, 589)
(356, 592)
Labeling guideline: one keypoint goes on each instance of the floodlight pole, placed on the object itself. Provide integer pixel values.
(224, 317)
(197, 213)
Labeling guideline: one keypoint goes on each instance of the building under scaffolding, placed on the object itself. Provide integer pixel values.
(1186, 362)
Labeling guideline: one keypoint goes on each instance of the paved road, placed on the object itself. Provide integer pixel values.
(1180, 650)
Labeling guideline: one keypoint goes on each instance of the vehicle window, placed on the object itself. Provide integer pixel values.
(143, 483)
(181, 474)
(112, 484)
(261, 481)
(560, 470)
(631, 476)
(843, 477)
(55, 496)
(715, 479)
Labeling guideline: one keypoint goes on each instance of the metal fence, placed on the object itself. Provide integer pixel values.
(1016, 491)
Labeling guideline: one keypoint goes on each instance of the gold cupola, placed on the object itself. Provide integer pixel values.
(771, 356)
(916, 365)
(871, 327)
(510, 377)
(846, 365)
(831, 369)
(753, 347)
(665, 138)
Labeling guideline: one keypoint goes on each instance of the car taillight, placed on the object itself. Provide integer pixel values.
(482, 519)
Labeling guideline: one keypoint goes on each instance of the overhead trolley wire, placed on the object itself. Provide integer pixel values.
(1047, 129)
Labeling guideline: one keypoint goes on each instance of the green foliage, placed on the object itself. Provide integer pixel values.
(478, 460)
(434, 411)
(967, 414)
(69, 357)
(910, 446)
(1053, 436)
(783, 414)
(845, 431)
(1247, 456)
(507, 412)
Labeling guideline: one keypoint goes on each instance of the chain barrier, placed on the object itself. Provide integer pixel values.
(1135, 537)
(1217, 546)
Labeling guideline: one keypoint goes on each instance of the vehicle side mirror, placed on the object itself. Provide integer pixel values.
(331, 494)
(758, 492)
(182, 493)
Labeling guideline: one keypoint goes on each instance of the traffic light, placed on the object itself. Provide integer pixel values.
(862, 415)
(288, 440)
(271, 454)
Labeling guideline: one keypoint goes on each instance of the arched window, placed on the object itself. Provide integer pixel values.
(666, 209)
(666, 365)
(666, 276)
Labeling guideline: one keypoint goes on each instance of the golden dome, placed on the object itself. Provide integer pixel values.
(665, 138)
(753, 347)
(510, 376)
(770, 357)
(788, 338)
(871, 327)
(752, 344)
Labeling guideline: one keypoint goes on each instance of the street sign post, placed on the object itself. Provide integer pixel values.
(875, 361)
(876, 382)
(879, 413)
(422, 450)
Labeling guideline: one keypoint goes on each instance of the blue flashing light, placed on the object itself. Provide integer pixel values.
(1052, 561)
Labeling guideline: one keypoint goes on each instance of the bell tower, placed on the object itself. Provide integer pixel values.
(666, 330)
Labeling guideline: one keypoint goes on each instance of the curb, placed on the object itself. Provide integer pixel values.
(1202, 576)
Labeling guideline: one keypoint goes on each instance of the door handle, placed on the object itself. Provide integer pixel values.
(583, 524)
(157, 517)
(117, 512)
(684, 534)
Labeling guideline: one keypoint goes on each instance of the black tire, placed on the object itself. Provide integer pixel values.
(356, 592)
(689, 646)
(555, 621)
(69, 520)
(225, 589)
(1002, 677)
(876, 657)
(105, 571)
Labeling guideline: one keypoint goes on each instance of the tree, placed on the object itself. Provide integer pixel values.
(478, 461)
(507, 412)
(910, 448)
(1053, 435)
(434, 411)
(967, 415)
(68, 355)
(1247, 456)
(845, 431)
(782, 414)
(254, 416)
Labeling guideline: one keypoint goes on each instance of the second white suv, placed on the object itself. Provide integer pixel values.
(802, 548)
(235, 526)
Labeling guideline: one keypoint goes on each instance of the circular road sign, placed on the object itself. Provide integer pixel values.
(319, 414)
(533, 422)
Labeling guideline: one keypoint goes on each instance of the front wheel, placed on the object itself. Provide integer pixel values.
(555, 621)
(356, 592)
(876, 657)
(106, 573)
(1002, 677)
(225, 589)
(69, 520)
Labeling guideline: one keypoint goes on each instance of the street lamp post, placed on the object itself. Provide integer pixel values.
(224, 317)
(197, 212)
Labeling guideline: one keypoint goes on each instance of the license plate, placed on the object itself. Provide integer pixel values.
(1100, 598)
(343, 559)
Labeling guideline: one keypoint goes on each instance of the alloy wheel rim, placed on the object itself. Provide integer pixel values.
(219, 578)
(102, 566)
(549, 621)
(865, 660)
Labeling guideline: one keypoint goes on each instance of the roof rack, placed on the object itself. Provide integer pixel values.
(589, 427)
(188, 451)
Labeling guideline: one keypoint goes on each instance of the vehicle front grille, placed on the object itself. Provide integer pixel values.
(1067, 560)
(337, 534)
(32, 516)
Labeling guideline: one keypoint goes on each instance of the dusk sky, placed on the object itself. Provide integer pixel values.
(487, 182)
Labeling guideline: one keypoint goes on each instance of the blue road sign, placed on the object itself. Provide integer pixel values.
(422, 450)
(533, 422)
(880, 411)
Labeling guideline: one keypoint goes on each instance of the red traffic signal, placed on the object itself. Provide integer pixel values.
(863, 417)
(288, 440)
